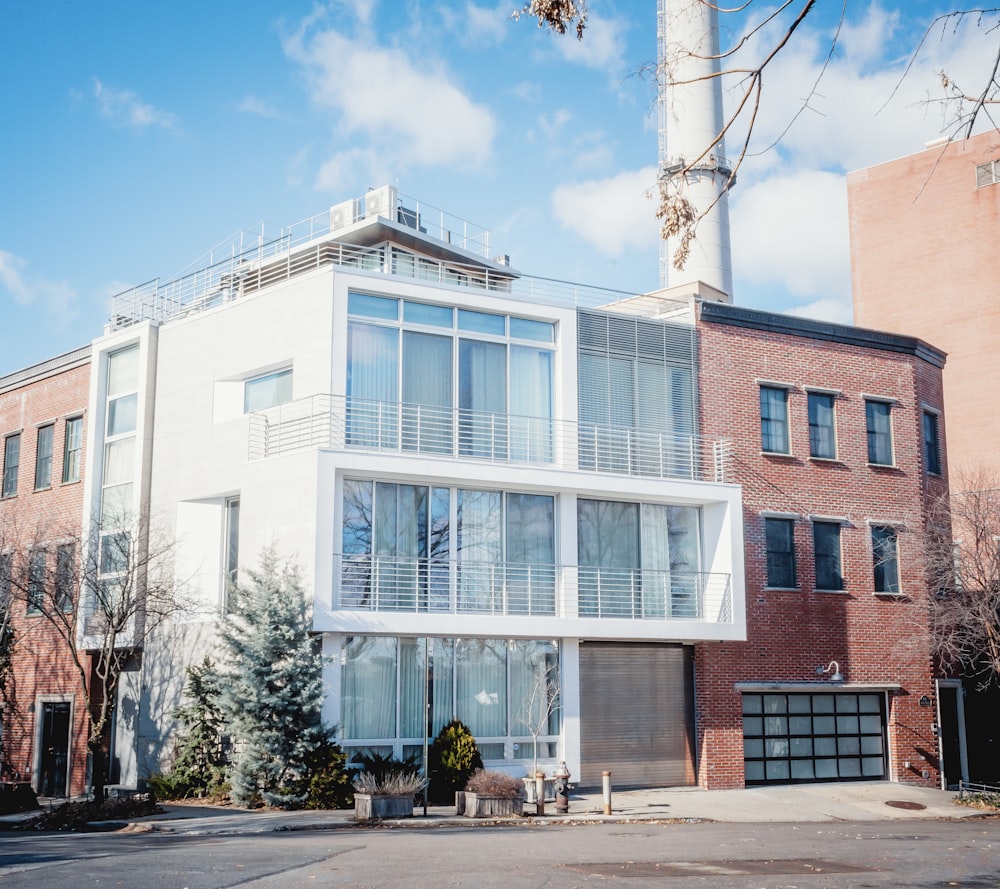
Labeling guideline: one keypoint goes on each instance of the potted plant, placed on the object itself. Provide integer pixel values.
(488, 793)
(387, 796)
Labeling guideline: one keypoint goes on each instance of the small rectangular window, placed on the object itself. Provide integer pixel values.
(482, 322)
(72, 450)
(43, 457)
(988, 173)
(267, 391)
(826, 544)
(373, 306)
(822, 439)
(878, 419)
(11, 458)
(774, 420)
(932, 445)
(885, 559)
(780, 534)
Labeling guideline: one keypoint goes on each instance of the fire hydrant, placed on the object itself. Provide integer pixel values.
(561, 774)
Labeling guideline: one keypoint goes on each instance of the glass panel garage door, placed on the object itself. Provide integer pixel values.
(797, 737)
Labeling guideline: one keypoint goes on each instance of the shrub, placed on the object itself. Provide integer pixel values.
(329, 784)
(452, 758)
(80, 816)
(486, 782)
(395, 783)
(201, 765)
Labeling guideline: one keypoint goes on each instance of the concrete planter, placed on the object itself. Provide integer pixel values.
(475, 805)
(370, 807)
(529, 790)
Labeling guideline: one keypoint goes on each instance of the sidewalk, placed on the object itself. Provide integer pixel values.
(799, 803)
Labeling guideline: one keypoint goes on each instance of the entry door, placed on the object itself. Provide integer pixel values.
(54, 759)
(951, 722)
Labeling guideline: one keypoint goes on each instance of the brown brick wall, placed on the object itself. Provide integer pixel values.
(877, 640)
(42, 664)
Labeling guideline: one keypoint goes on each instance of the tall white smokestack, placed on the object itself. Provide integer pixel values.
(690, 118)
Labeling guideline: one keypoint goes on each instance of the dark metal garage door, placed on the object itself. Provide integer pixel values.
(796, 737)
(636, 714)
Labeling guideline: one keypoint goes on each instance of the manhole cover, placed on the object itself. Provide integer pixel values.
(905, 804)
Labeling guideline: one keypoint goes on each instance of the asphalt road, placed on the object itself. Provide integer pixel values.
(913, 854)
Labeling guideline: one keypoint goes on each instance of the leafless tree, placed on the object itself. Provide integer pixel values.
(543, 703)
(102, 594)
(963, 565)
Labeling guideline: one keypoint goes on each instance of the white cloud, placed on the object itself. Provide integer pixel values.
(408, 114)
(125, 108)
(483, 24)
(833, 310)
(57, 296)
(790, 229)
(259, 107)
(602, 46)
(613, 214)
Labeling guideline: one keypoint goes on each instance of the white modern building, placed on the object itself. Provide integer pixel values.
(491, 484)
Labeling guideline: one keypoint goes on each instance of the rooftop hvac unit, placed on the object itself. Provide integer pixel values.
(381, 202)
(341, 215)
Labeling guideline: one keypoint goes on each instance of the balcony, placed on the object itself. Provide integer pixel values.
(338, 423)
(430, 585)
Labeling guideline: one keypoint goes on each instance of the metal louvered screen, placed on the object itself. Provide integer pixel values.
(636, 714)
(637, 373)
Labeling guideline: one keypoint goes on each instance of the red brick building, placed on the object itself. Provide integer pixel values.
(838, 441)
(42, 423)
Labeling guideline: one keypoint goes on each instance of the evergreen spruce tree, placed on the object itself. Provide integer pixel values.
(202, 762)
(274, 693)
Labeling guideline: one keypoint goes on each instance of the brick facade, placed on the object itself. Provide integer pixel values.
(43, 673)
(879, 641)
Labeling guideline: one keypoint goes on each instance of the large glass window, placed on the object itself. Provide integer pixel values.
(885, 559)
(822, 437)
(43, 457)
(11, 459)
(780, 534)
(638, 560)
(932, 444)
(414, 384)
(419, 547)
(72, 450)
(826, 543)
(774, 420)
(878, 417)
(505, 691)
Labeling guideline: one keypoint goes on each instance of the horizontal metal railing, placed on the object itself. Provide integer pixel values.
(411, 584)
(337, 422)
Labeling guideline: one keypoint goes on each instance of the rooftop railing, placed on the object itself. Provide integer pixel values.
(251, 261)
(339, 423)
(443, 586)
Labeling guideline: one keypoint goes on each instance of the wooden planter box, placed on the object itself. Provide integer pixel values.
(529, 790)
(369, 807)
(473, 805)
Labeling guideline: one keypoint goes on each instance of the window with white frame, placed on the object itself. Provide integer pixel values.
(878, 422)
(822, 433)
(72, 450)
(11, 460)
(43, 456)
(885, 559)
(774, 420)
(827, 554)
(988, 173)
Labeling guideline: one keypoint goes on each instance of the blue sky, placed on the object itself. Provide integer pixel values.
(137, 136)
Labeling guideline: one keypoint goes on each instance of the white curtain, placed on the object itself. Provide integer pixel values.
(427, 401)
(482, 384)
(481, 685)
(655, 560)
(531, 404)
(368, 688)
(372, 384)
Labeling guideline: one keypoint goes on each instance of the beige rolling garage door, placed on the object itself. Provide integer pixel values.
(636, 714)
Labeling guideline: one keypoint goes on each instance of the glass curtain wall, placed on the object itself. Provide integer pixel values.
(505, 691)
(638, 560)
(398, 549)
